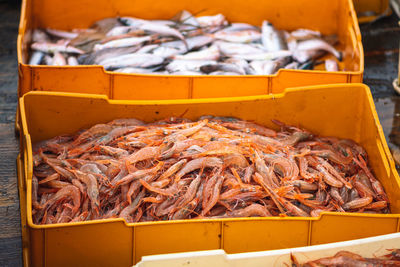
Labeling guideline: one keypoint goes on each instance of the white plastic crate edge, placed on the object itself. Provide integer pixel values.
(366, 247)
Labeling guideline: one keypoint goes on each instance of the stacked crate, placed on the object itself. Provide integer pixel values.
(53, 97)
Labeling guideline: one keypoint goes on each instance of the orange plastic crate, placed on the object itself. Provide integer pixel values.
(375, 7)
(330, 17)
(113, 242)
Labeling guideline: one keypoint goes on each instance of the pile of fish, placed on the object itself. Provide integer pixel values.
(184, 45)
(216, 167)
(350, 259)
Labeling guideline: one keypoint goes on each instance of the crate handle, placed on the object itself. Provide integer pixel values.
(28, 163)
(353, 21)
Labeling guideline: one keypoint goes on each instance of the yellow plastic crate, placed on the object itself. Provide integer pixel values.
(376, 8)
(343, 110)
(330, 17)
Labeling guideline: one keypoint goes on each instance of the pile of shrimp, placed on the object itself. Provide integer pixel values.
(347, 258)
(215, 167)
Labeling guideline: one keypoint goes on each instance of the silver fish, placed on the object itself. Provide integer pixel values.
(136, 70)
(72, 61)
(167, 51)
(59, 59)
(211, 53)
(263, 67)
(271, 38)
(119, 30)
(62, 34)
(238, 26)
(132, 60)
(183, 45)
(232, 49)
(220, 72)
(96, 57)
(169, 23)
(147, 49)
(315, 45)
(292, 66)
(244, 36)
(52, 48)
(331, 65)
(192, 43)
(48, 60)
(125, 42)
(265, 55)
(130, 21)
(209, 21)
(187, 65)
(187, 72)
(36, 58)
(161, 30)
(185, 17)
(224, 67)
(304, 34)
(39, 36)
(243, 64)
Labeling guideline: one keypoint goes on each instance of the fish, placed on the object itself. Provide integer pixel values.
(36, 58)
(62, 34)
(59, 59)
(271, 38)
(331, 65)
(212, 21)
(187, 65)
(224, 67)
(211, 53)
(95, 57)
(234, 49)
(162, 30)
(243, 36)
(132, 60)
(52, 48)
(72, 61)
(265, 55)
(125, 42)
(314, 45)
(183, 44)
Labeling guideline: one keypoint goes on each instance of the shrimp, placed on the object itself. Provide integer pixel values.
(91, 187)
(186, 210)
(213, 167)
(214, 196)
(376, 185)
(197, 164)
(328, 178)
(143, 154)
(334, 173)
(138, 174)
(81, 217)
(263, 170)
(128, 210)
(334, 192)
(357, 203)
(191, 191)
(173, 169)
(285, 167)
(69, 191)
(54, 176)
(250, 211)
(332, 156)
(160, 191)
(112, 151)
(305, 186)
